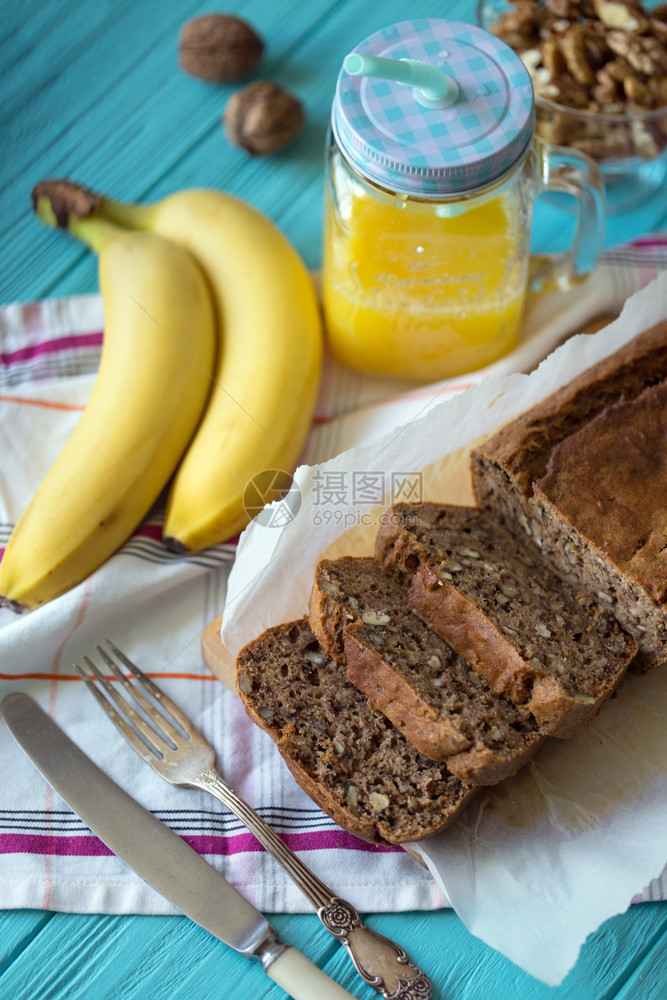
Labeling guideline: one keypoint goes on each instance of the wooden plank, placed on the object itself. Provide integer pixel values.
(463, 968)
(646, 977)
(120, 143)
(169, 957)
(174, 134)
(25, 26)
(68, 81)
(17, 930)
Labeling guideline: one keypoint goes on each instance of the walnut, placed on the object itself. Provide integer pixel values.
(563, 8)
(571, 93)
(630, 47)
(607, 90)
(371, 617)
(263, 118)
(518, 27)
(605, 56)
(574, 48)
(637, 92)
(552, 56)
(379, 801)
(657, 52)
(618, 69)
(219, 47)
(659, 28)
(644, 143)
(619, 14)
(658, 87)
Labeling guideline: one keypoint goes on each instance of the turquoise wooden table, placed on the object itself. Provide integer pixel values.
(91, 89)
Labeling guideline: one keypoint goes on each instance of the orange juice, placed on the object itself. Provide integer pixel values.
(421, 290)
(432, 172)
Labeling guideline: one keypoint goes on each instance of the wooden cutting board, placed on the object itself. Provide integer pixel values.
(215, 656)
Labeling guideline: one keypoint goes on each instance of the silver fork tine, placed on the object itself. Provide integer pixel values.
(171, 735)
(149, 734)
(159, 695)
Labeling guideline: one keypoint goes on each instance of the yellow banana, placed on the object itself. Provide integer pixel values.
(155, 374)
(269, 360)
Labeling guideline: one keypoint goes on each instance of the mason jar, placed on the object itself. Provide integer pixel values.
(430, 186)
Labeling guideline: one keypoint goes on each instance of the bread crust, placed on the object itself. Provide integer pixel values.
(507, 469)
(441, 707)
(327, 620)
(465, 627)
(490, 653)
(522, 447)
(619, 510)
(437, 738)
(473, 633)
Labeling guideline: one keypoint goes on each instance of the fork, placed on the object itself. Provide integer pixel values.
(166, 739)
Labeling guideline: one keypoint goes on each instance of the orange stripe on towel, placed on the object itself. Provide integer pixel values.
(35, 676)
(42, 402)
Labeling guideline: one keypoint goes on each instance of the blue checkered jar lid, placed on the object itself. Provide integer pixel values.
(396, 140)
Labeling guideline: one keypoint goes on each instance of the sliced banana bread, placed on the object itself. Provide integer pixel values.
(414, 677)
(602, 507)
(495, 599)
(344, 754)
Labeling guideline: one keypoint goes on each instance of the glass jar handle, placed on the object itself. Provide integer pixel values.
(573, 173)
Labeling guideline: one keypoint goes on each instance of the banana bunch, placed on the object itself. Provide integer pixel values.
(269, 358)
(209, 373)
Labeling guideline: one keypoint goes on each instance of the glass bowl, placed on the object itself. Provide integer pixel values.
(629, 147)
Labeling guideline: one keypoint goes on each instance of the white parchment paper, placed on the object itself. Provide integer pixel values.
(540, 861)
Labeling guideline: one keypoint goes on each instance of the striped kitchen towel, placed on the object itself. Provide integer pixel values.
(155, 605)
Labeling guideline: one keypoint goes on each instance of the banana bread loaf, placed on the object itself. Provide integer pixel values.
(505, 466)
(606, 520)
(495, 599)
(344, 754)
(414, 677)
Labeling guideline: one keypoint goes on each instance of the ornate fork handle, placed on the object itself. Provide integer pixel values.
(380, 962)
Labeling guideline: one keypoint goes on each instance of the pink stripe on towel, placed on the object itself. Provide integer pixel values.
(67, 343)
(87, 845)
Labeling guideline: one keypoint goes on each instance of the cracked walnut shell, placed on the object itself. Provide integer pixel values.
(263, 117)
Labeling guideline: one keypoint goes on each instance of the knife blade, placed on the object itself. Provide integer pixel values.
(159, 855)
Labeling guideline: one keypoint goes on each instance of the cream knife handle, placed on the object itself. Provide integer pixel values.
(302, 980)
(381, 963)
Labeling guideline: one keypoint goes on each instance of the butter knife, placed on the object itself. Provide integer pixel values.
(159, 855)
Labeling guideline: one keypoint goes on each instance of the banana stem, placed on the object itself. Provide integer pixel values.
(128, 216)
(66, 205)
(94, 231)
(63, 204)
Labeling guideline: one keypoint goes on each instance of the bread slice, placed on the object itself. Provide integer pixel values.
(602, 508)
(345, 755)
(494, 598)
(414, 677)
(344, 590)
(506, 466)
